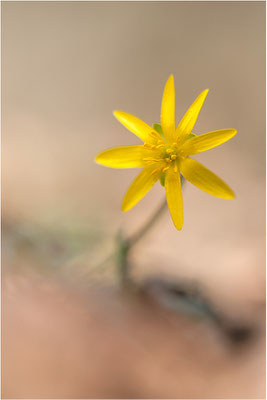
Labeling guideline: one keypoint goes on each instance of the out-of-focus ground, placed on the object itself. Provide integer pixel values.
(66, 67)
(58, 343)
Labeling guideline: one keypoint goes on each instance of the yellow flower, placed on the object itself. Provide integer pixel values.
(165, 155)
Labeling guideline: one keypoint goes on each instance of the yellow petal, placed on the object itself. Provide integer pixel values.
(135, 125)
(174, 197)
(207, 141)
(123, 157)
(189, 119)
(168, 110)
(141, 185)
(204, 179)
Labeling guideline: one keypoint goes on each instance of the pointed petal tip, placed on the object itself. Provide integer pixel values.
(228, 195)
(97, 159)
(178, 227)
(230, 130)
(204, 94)
(232, 196)
(116, 113)
(170, 81)
(125, 207)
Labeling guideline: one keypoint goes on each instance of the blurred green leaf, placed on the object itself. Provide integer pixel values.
(191, 136)
(158, 129)
(162, 179)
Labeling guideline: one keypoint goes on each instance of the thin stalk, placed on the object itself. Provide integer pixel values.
(148, 224)
(146, 227)
(125, 245)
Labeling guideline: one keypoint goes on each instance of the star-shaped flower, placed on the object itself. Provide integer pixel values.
(165, 155)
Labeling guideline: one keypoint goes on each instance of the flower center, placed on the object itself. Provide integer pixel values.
(165, 154)
(170, 153)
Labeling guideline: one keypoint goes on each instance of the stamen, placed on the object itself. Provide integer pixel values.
(147, 146)
(173, 157)
(156, 170)
(154, 135)
(175, 167)
(151, 159)
(169, 151)
(165, 169)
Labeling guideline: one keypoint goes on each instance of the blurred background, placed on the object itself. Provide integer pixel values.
(65, 67)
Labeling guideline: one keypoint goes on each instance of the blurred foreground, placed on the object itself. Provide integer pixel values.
(73, 333)
(59, 343)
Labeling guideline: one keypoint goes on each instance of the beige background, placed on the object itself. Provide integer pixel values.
(67, 66)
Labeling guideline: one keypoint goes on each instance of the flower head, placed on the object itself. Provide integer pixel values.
(165, 155)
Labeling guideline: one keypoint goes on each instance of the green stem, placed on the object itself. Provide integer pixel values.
(125, 245)
(146, 227)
